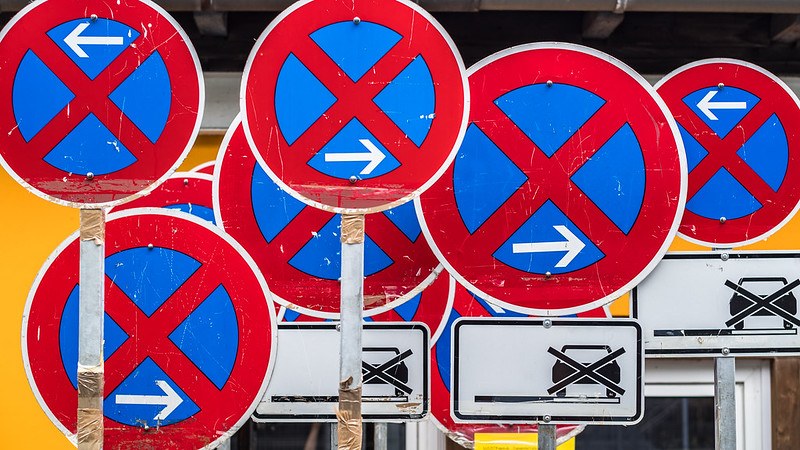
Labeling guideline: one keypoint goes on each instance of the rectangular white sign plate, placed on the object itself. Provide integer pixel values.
(720, 303)
(305, 381)
(547, 371)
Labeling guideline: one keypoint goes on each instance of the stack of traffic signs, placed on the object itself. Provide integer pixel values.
(104, 101)
(547, 180)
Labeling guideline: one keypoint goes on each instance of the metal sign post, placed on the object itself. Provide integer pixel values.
(547, 437)
(352, 305)
(90, 335)
(725, 402)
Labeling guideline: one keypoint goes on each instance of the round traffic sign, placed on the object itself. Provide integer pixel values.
(297, 247)
(741, 128)
(189, 192)
(189, 333)
(568, 187)
(466, 304)
(430, 307)
(103, 99)
(354, 106)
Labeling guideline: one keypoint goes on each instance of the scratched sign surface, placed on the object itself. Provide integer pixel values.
(354, 106)
(189, 333)
(741, 128)
(569, 184)
(99, 99)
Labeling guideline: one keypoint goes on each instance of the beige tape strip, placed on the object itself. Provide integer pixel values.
(90, 407)
(352, 228)
(93, 225)
(349, 416)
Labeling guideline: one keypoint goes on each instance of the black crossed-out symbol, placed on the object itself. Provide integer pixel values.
(381, 371)
(587, 370)
(767, 303)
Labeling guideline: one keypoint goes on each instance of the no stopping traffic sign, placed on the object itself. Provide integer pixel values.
(99, 99)
(189, 333)
(354, 106)
(568, 187)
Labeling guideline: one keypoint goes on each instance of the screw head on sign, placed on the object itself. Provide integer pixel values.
(356, 20)
(93, 17)
(549, 83)
(546, 419)
(720, 86)
(547, 323)
(149, 246)
(724, 257)
(185, 181)
(547, 275)
(726, 351)
(353, 179)
(90, 176)
(722, 220)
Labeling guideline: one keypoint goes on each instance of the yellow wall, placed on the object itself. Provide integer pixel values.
(32, 228)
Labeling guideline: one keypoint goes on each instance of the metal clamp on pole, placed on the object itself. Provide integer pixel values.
(352, 304)
(90, 329)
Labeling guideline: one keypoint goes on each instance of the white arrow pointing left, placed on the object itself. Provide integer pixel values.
(572, 246)
(706, 105)
(374, 156)
(74, 40)
(170, 401)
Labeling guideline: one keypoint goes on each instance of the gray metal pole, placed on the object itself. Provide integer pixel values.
(352, 305)
(381, 436)
(725, 402)
(90, 329)
(547, 437)
(334, 436)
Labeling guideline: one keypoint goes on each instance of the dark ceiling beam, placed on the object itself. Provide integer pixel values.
(600, 24)
(714, 6)
(211, 23)
(785, 28)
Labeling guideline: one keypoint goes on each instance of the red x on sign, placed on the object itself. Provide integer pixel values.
(354, 106)
(189, 333)
(740, 126)
(101, 100)
(569, 161)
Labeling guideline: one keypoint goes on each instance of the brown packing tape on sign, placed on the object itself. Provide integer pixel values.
(349, 416)
(93, 225)
(352, 228)
(90, 407)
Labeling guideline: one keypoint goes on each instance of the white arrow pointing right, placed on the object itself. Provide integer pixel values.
(170, 401)
(572, 246)
(374, 156)
(705, 105)
(74, 40)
